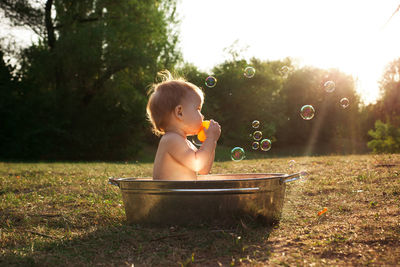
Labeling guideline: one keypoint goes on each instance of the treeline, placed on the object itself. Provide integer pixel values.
(275, 97)
(80, 93)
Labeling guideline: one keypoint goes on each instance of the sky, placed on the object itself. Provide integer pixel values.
(353, 36)
(350, 35)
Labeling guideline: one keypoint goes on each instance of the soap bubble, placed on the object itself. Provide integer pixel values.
(292, 163)
(257, 135)
(265, 144)
(211, 81)
(303, 173)
(237, 154)
(292, 166)
(329, 86)
(303, 176)
(307, 112)
(255, 124)
(344, 102)
(249, 72)
(284, 70)
(255, 145)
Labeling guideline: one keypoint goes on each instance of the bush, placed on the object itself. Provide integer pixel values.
(386, 138)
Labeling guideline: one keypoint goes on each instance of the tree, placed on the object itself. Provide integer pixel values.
(85, 81)
(10, 95)
(386, 113)
(390, 92)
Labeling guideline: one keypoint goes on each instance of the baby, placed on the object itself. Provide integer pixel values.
(174, 109)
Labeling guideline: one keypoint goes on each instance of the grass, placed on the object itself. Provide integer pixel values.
(66, 214)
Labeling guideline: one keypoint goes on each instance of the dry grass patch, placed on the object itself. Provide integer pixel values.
(67, 214)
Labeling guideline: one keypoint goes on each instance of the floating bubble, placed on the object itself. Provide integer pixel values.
(292, 163)
(257, 135)
(237, 154)
(255, 124)
(255, 145)
(344, 102)
(285, 70)
(211, 81)
(307, 112)
(303, 174)
(249, 72)
(329, 86)
(265, 144)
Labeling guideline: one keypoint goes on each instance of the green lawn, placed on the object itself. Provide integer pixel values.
(67, 214)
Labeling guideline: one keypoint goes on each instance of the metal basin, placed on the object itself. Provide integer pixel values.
(221, 199)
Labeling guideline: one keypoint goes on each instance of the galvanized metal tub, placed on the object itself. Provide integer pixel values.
(220, 198)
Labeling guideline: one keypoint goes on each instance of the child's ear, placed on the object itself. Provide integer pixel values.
(179, 112)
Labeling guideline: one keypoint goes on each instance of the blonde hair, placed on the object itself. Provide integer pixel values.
(165, 96)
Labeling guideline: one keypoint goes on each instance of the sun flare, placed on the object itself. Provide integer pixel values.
(357, 37)
(352, 36)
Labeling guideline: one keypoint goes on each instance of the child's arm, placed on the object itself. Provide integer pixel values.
(198, 160)
(208, 167)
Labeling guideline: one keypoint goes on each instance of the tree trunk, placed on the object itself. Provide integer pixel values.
(51, 39)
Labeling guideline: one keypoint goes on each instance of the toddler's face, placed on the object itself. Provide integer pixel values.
(192, 116)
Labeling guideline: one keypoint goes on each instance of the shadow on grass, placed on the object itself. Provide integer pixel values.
(149, 246)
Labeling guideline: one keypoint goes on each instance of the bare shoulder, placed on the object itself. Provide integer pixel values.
(172, 140)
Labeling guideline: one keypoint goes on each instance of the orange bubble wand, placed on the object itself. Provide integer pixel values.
(202, 135)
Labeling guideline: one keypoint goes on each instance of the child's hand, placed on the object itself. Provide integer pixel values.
(213, 131)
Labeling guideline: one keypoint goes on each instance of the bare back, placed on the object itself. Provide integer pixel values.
(166, 167)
